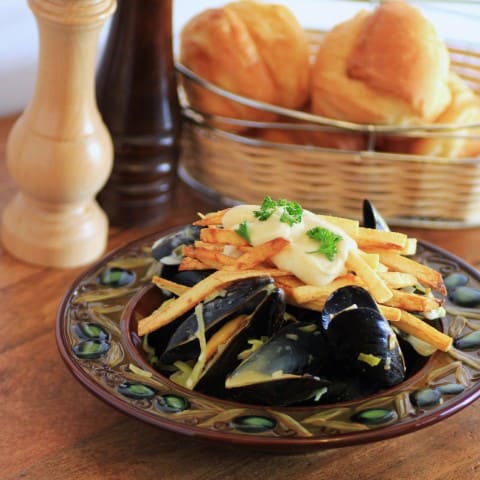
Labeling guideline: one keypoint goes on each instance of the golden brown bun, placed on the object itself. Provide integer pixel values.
(463, 109)
(256, 50)
(384, 67)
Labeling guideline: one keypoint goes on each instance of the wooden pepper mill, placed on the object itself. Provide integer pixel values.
(59, 152)
(137, 97)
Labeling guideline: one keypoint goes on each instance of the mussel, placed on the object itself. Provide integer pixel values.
(281, 372)
(363, 343)
(205, 343)
(350, 351)
(344, 298)
(168, 251)
(239, 298)
(372, 217)
(365, 347)
(165, 249)
(260, 323)
(301, 356)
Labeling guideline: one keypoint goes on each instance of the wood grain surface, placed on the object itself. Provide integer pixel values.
(52, 428)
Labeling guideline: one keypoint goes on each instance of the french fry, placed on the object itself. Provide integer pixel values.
(367, 238)
(229, 250)
(382, 268)
(273, 272)
(173, 287)
(372, 246)
(418, 328)
(289, 281)
(375, 285)
(258, 254)
(426, 275)
(373, 259)
(212, 254)
(214, 258)
(411, 247)
(222, 236)
(412, 302)
(213, 218)
(398, 279)
(350, 227)
(210, 246)
(189, 263)
(194, 295)
(391, 314)
(307, 293)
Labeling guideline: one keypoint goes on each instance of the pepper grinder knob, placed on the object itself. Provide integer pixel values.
(59, 152)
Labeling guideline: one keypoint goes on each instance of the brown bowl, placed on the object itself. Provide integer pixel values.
(96, 337)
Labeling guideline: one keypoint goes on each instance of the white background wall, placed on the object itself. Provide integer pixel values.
(18, 33)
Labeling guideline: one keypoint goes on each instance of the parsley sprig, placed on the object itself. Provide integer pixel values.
(327, 241)
(244, 231)
(292, 212)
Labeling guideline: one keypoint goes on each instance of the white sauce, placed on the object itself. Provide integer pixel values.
(312, 268)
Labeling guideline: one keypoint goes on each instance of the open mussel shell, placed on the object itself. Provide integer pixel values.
(346, 297)
(280, 371)
(262, 322)
(365, 345)
(372, 217)
(164, 250)
(241, 297)
(168, 251)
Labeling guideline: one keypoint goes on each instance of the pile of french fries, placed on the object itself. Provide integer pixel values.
(380, 264)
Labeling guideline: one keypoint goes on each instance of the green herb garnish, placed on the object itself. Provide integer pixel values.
(244, 231)
(327, 239)
(266, 209)
(292, 211)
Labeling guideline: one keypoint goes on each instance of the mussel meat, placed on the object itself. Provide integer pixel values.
(281, 371)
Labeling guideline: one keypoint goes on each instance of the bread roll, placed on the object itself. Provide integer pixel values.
(384, 67)
(464, 109)
(256, 50)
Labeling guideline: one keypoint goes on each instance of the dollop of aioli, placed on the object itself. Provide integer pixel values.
(312, 268)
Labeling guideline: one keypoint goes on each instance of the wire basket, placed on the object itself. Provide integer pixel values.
(409, 190)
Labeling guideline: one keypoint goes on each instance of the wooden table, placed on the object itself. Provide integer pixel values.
(52, 428)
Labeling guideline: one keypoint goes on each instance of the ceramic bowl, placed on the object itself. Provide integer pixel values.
(96, 337)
